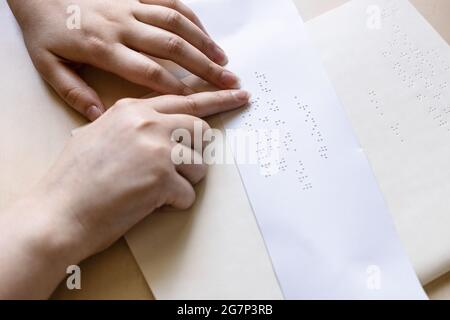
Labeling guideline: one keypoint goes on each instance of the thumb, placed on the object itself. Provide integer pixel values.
(73, 89)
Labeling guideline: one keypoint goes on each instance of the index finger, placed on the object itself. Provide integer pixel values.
(201, 104)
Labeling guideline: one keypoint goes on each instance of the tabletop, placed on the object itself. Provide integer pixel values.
(112, 274)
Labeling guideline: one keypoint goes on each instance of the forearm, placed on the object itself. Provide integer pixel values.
(33, 255)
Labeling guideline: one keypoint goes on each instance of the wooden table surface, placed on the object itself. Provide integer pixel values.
(114, 274)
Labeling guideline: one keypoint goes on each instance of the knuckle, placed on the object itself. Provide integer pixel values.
(194, 17)
(175, 46)
(98, 46)
(123, 103)
(206, 44)
(129, 121)
(211, 71)
(73, 95)
(222, 97)
(142, 123)
(127, 115)
(173, 4)
(153, 73)
(191, 105)
(164, 171)
(40, 62)
(162, 151)
(202, 171)
(204, 125)
(189, 198)
(173, 19)
(183, 200)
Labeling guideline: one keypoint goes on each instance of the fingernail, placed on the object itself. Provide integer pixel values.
(241, 95)
(93, 113)
(219, 55)
(230, 80)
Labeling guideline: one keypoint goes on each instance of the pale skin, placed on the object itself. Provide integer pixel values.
(118, 36)
(86, 202)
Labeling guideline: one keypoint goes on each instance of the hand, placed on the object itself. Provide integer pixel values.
(117, 36)
(119, 169)
(111, 175)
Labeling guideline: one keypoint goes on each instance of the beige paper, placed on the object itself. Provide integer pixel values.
(394, 81)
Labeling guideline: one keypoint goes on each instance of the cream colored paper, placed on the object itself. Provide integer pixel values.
(394, 80)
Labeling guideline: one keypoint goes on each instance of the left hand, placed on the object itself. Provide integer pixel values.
(117, 36)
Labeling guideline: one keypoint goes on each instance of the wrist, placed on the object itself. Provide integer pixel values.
(38, 223)
(32, 251)
(61, 236)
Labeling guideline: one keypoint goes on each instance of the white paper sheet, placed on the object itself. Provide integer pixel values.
(320, 211)
(394, 82)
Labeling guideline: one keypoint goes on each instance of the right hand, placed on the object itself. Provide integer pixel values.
(118, 170)
(111, 175)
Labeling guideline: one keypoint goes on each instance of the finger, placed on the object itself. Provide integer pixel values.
(187, 130)
(175, 22)
(137, 68)
(166, 45)
(201, 104)
(189, 163)
(181, 195)
(181, 8)
(72, 88)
